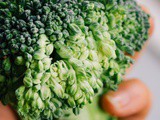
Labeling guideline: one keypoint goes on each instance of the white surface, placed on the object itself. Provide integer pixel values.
(147, 67)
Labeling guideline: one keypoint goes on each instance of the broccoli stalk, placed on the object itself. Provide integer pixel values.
(89, 112)
(56, 56)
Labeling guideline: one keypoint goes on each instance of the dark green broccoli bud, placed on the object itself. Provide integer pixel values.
(61, 54)
(129, 19)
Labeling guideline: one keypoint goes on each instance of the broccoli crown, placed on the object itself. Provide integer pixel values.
(57, 55)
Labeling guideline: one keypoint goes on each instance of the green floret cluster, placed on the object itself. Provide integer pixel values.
(58, 55)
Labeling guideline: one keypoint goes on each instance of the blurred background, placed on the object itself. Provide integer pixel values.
(147, 68)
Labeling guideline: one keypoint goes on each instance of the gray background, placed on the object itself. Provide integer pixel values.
(147, 68)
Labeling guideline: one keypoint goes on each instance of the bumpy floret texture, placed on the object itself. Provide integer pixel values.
(57, 55)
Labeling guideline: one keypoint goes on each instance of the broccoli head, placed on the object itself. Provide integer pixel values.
(58, 55)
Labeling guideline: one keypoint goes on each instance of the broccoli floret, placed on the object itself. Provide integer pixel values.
(57, 55)
(128, 24)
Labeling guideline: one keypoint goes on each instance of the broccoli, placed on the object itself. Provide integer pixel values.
(58, 55)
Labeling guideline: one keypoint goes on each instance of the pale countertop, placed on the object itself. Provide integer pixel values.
(147, 68)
